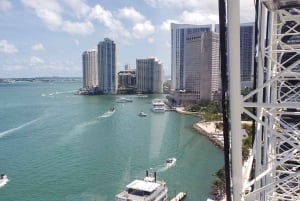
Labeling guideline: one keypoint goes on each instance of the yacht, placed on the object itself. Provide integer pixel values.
(148, 189)
(158, 105)
(3, 180)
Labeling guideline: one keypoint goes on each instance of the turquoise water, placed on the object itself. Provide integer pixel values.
(56, 146)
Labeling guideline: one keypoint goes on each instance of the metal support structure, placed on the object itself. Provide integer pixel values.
(276, 148)
(235, 95)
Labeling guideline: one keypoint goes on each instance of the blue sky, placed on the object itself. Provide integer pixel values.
(47, 37)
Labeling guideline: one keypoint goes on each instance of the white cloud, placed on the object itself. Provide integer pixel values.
(166, 25)
(5, 5)
(83, 28)
(8, 48)
(197, 17)
(143, 30)
(50, 12)
(36, 61)
(193, 4)
(205, 7)
(131, 14)
(38, 47)
(105, 17)
(79, 7)
(115, 27)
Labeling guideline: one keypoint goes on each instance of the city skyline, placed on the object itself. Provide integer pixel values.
(51, 40)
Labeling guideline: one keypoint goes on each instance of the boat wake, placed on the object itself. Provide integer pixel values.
(88, 123)
(58, 92)
(106, 114)
(7, 132)
(3, 180)
(164, 167)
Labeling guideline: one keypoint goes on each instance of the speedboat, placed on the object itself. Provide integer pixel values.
(142, 114)
(148, 189)
(170, 162)
(3, 180)
(123, 100)
(158, 105)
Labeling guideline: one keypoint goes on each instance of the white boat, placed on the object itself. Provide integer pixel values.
(170, 162)
(123, 100)
(3, 180)
(142, 114)
(158, 105)
(147, 189)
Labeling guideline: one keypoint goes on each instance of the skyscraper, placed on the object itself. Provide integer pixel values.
(149, 75)
(107, 65)
(178, 56)
(90, 69)
(202, 66)
(247, 53)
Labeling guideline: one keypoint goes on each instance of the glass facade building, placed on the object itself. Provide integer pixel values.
(107, 67)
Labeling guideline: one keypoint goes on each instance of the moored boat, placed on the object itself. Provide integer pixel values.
(158, 105)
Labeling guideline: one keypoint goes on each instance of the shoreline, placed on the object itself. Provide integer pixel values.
(206, 128)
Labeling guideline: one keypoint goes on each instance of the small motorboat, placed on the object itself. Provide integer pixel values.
(170, 162)
(123, 100)
(112, 109)
(142, 114)
(3, 180)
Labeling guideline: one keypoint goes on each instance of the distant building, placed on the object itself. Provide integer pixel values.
(127, 79)
(90, 69)
(247, 54)
(107, 64)
(127, 67)
(179, 33)
(149, 75)
(201, 69)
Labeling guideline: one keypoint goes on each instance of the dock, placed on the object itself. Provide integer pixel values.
(179, 196)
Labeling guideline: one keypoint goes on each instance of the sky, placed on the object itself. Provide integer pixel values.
(41, 38)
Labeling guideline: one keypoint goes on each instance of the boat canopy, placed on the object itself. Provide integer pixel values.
(143, 186)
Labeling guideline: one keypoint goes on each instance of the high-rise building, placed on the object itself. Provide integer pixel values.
(107, 65)
(149, 75)
(179, 33)
(201, 70)
(247, 53)
(90, 69)
(202, 65)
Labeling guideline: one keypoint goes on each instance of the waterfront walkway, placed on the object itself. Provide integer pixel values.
(209, 130)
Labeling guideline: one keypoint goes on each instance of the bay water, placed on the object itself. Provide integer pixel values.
(57, 146)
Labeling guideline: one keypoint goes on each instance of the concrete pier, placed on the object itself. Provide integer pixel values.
(179, 196)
